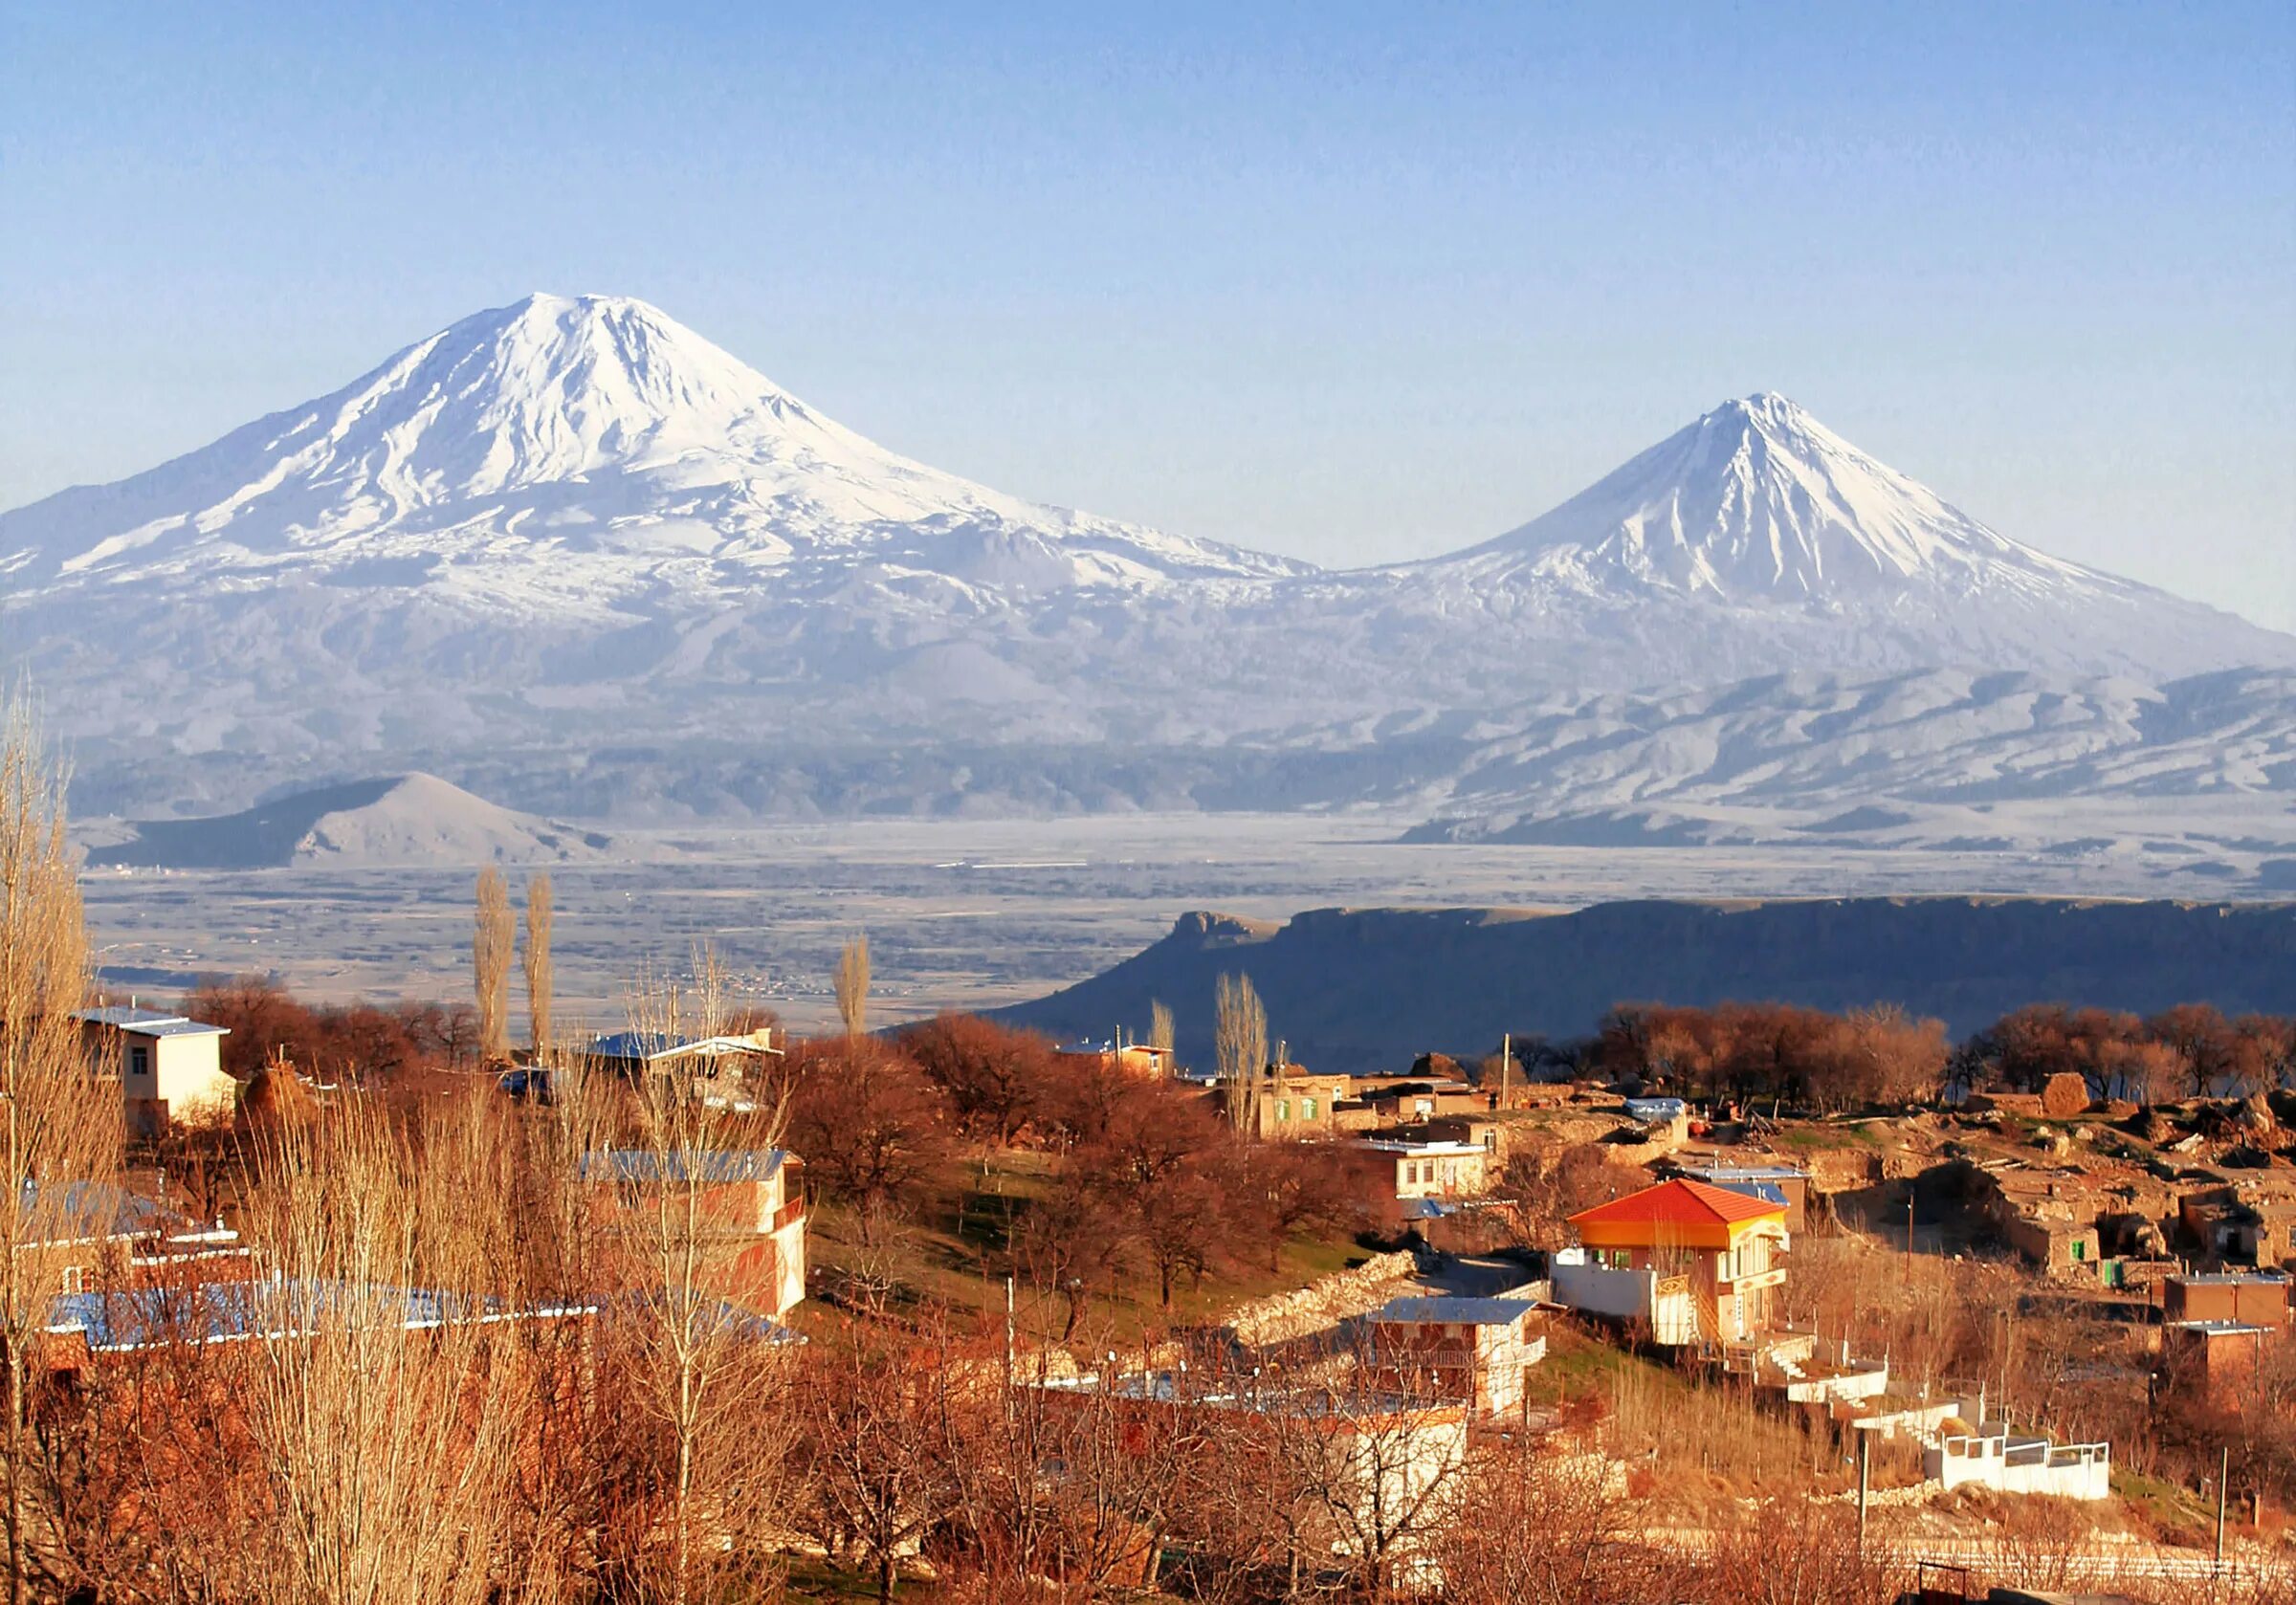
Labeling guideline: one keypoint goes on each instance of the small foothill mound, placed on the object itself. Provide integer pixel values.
(390, 822)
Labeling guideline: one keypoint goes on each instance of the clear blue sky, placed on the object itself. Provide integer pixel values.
(1351, 283)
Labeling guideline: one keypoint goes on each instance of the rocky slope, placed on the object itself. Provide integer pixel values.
(1358, 989)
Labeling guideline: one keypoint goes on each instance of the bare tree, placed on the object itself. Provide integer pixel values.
(1545, 1531)
(1161, 1036)
(872, 1128)
(1240, 1045)
(492, 937)
(875, 1444)
(852, 986)
(380, 1408)
(703, 1377)
(540, 917)
(62, 1124)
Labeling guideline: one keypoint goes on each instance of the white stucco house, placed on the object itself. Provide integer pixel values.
(170, 1068)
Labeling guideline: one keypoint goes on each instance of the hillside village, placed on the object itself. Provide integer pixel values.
(1708, 1294)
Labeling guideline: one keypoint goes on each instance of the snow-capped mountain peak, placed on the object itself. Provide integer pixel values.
(559, 456)
(1757, 500)
(544, 389)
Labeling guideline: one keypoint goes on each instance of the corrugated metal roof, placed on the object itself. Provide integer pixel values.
(1722, 1176)
(148, 1023)
(648, 1045)
(2216, 1329)
(1647, 1110)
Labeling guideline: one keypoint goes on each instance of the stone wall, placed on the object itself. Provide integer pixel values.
(1342, 1296)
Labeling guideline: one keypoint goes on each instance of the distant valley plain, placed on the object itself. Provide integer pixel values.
(964, 913)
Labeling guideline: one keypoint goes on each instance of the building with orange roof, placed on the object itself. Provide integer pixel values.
(1697, 1262)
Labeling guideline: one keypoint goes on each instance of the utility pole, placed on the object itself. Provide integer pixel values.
(1864, 1462)
(2223, 1477)
(1908, 1231)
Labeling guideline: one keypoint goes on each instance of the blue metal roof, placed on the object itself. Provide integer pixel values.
(91, 1209)
(638, 1044)
(220, 1311)
(1460, 1312)
(707, 1164)
(223, 1311)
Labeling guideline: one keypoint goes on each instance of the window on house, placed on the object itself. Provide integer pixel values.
(75, 1279)
(139, 1059)
(1307, 1108)
(1283, 1109)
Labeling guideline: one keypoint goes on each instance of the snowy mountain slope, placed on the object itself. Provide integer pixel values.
(1938, 735)
(570, 526)
(1939, 758)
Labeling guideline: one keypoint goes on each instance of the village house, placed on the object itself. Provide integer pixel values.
(720, 1065)
(753, 1195)
(170, 1068)
(2251, 1220)
(1696, 1262)
(1432, 1167)
(1475, 1350)
(1389, 1101)
(1776, 1183)
(1137, 1059)
(88, 1236)
(2048, 1216)
(2260, 1301)
(2217, 1330)
(1993, 1457)
(1292, 1102)
(2216, 1357)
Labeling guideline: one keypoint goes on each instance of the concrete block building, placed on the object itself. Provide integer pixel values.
(170, 1068)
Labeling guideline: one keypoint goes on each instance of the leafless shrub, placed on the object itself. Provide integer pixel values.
(60, 1126)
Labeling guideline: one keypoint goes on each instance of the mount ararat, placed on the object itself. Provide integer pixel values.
(568, 548)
